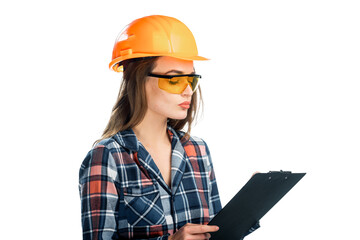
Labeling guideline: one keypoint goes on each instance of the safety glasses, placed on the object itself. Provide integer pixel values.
(177, 83)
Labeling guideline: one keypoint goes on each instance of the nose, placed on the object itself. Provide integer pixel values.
(188, 91)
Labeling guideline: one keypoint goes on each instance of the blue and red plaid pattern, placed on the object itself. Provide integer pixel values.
(124, 196)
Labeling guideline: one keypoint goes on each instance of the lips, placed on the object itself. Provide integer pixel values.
(185, 105)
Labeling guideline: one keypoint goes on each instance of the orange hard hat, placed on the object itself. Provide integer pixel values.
(151, 36)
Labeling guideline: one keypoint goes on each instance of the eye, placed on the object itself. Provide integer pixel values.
(173, 82)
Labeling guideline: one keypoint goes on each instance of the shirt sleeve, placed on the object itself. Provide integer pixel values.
(214, 198)
(98, 193)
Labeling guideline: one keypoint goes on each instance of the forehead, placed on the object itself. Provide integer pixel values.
(173, 65)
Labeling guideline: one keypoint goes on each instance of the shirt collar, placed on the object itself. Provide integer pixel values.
(128, 139)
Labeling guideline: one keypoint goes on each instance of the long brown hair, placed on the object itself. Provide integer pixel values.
(131, 105)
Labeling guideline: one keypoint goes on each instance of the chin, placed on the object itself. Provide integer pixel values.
(178, 116)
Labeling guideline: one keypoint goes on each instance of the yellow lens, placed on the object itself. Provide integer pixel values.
(178, 84)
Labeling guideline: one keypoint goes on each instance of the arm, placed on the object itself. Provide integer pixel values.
(98, 195)
(214, 197)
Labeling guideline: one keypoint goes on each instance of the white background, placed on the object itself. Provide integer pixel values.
(281, 91)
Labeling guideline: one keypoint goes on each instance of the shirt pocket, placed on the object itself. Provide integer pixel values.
(143, 206)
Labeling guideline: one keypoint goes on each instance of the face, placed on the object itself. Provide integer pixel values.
(162, 103)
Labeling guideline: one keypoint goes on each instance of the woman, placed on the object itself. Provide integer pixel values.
(147, 179)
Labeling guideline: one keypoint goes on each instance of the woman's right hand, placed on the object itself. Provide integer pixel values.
(194, 231)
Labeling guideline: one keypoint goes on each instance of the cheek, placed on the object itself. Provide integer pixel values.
(158, 99)
(164, 103)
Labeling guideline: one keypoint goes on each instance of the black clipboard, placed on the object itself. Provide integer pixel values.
(251, 203)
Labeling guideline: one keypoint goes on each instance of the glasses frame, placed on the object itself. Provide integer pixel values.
(172, 76)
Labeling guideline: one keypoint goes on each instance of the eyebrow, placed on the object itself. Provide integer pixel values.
(178, 72)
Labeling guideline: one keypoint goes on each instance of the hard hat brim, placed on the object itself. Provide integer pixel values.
(139, 55)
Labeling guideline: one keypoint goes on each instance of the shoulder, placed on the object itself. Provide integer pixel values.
(196, 147)
(109, 144)
(102, 150)
(104, 153)
(198, 142)
(191, 140)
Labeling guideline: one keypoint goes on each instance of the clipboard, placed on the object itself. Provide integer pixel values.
(251, 203)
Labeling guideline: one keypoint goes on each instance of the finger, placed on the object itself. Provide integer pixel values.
(203, 236)
(200, 236)
(192, 224)
(195, 229)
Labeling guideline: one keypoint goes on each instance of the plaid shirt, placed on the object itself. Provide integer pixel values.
(124, 196)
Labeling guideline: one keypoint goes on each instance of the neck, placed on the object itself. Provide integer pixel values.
(152, 130)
